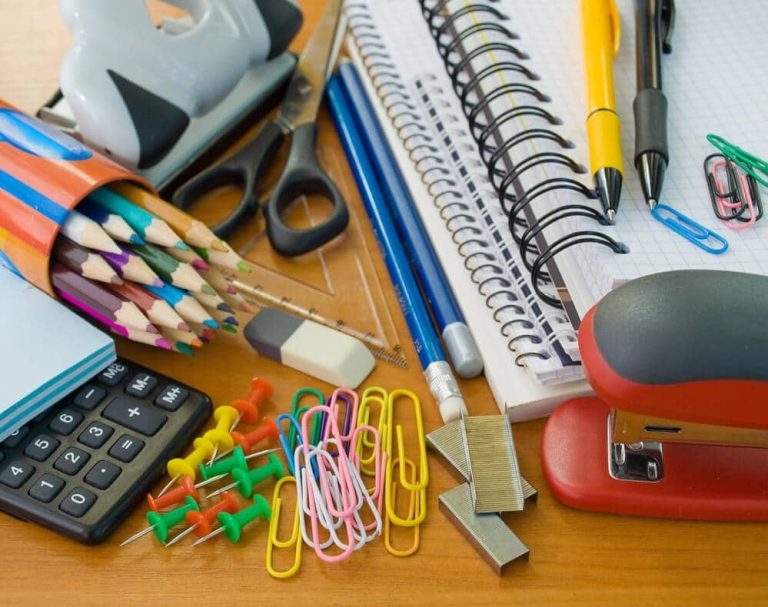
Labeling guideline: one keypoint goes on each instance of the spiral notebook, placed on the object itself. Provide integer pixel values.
(484, 105)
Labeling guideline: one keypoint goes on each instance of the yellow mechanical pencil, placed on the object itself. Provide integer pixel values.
(602, 32)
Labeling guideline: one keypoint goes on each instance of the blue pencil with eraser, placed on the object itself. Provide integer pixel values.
(440, 379)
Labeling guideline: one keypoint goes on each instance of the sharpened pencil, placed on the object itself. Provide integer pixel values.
(87, 233)
(148, 226)
(114, 225)
(132, 267)
(225, 259)
(185, 305)
(173, 271)
(98, 298)
(193, 231)
(84, 261)
(159, 311)
(188, 338)
(227, 290)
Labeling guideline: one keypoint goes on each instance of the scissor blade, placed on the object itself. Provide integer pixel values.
(305, 91)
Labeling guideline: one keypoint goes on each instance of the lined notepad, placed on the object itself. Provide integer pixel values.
(46, 351)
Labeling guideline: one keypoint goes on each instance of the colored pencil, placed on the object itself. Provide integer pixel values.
(188, 338)
(114, 225)
(193, 231)
(185, 305)
(148, 226)
(98, 297)
(173, 271)
(86, 232)
(225, 259)
(159, 311)
(212, 302)
(188, 256)
(227, 290)
(84, 261)
(132, 267)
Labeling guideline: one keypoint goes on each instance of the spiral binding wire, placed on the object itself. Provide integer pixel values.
(454, 29)
(532, 331)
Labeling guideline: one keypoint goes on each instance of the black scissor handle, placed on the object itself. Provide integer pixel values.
(303, 175)
(243, 170)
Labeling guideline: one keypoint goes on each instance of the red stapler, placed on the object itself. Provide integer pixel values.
(679, 426)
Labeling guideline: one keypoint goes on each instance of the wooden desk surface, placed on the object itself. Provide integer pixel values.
(575, 558)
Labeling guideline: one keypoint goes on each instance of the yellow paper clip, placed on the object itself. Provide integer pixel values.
(293, 541)
(416, 507)
(411, 477)
(373, 404)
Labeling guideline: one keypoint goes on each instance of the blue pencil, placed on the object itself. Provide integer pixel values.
(459, 343)
(437, 371)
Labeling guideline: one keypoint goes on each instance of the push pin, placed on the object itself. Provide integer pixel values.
(161, 522)
(187, 466)
(200, 522)
(246, 480)
(232, 524)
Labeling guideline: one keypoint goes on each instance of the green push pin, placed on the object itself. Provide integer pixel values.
(232, 524)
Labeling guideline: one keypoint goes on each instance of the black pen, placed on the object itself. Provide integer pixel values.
(653, 22)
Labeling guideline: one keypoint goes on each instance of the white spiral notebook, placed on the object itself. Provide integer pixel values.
(483, 102)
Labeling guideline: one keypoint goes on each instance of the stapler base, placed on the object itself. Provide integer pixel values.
(683, 480)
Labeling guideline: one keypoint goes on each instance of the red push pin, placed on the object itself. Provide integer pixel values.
(176, 495)
(201, 522)
(248, 407)
(267, 430)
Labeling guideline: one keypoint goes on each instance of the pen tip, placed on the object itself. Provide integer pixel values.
(611, 214)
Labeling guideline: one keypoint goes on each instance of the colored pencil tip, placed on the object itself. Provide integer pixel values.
(244, 266)
(208, 289)
(218, 245)
(211, 323)
(181, 245)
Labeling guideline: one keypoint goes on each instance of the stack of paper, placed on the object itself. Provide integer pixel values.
(46, 351)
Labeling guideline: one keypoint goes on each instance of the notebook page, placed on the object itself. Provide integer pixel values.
(714, 81)
(411, 48)
(400, 26)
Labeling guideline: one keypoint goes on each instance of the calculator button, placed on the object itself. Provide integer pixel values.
(41, 447)
(71, 461)
(95, 435)
(103, 474)
(134, 415)
(14, 438)
(141, 385)
(78, 502)
(172, 397)
(16, 473)
(126, 448)
(89, 396)
(46, 487)
(113, 374)
(65, 422)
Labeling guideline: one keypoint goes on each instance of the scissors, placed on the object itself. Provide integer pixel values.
(302, 173)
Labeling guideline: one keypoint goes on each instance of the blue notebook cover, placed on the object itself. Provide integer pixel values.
(46, 351)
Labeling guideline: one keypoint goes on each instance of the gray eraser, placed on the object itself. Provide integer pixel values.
(309, 347)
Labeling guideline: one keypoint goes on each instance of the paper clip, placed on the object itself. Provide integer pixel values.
(416, 510)
(693, 232)
(747, 162)
(422, 476)
(372, 404)
(346, 399)
(734, 194)
(293, 541)
(298, 409)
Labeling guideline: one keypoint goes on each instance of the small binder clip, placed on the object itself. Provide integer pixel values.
(678, 426)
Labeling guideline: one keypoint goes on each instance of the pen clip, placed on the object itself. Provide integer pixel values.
(667, 25)
(615, 24)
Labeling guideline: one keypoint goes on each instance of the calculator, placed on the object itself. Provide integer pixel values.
(83, 464)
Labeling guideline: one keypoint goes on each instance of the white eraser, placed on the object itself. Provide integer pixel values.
(309, 347)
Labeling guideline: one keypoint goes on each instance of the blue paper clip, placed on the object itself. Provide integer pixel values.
(694, 232)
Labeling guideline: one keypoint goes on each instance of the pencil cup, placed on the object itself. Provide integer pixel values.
(44, 174)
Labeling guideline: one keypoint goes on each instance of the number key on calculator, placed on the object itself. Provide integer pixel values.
(82, 465)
